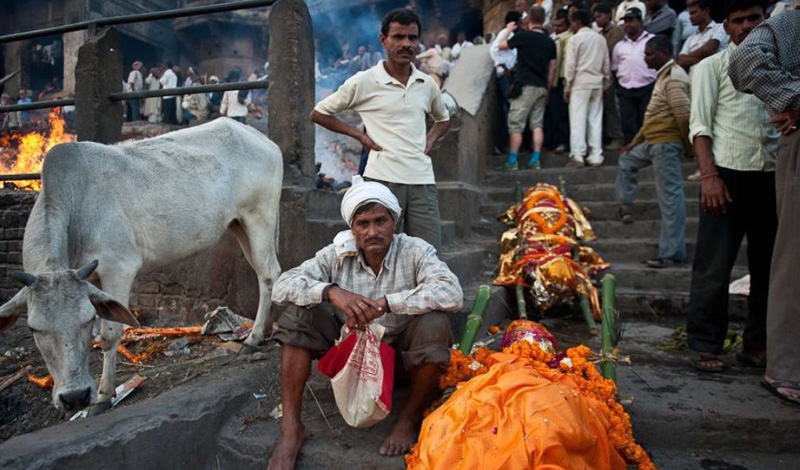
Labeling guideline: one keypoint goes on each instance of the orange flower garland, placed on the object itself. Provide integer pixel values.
(547, 194)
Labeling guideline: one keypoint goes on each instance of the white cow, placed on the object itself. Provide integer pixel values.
(118, 210)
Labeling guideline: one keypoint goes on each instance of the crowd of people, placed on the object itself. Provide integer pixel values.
(193, 107)
(661, 87)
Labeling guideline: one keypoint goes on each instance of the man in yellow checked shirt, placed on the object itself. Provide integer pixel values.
(367, 274)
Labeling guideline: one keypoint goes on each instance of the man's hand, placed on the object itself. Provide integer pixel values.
(786, 122)
(714, 195)
(566, 96)
(429, 141)
(359, 310)
(368, 143)
(627, 148)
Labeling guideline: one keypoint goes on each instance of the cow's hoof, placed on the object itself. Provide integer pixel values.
(99, 408)
(247, 350)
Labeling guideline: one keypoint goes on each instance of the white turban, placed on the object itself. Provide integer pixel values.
(363, 192)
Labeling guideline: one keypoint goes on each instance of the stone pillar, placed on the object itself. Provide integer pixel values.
(97, 74)
(291, 85)
(17, 56)
(72, 42)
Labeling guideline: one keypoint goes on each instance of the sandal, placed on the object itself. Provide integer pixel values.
(775, 387)
(625, 214)
(707, 362)
(756, 359)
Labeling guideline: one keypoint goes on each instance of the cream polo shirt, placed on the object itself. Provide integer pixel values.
(394, 116)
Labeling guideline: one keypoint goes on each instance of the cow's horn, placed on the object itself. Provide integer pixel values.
(23, 277)
(84, 272)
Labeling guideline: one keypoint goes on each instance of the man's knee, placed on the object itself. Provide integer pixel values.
(429, 341)
(315, 329)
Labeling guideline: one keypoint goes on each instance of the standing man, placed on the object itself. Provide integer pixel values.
(634, 78)
(709, 38)
(461, 43)
(535, 72)
(168, 104)
(504, 60)
(735, 147)
(392, 99)
(612, 133)
(588, 74)
(135, 83)
(23, 117)
(660, 18)
(367, 274)
(556, 124)
(625, 5)
(661, 142)
(767, 64)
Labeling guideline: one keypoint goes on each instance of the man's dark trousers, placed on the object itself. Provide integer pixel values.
(632, 105)
(719, 237)
(556, 118)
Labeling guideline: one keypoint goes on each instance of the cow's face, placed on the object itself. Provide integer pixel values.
(62, 307)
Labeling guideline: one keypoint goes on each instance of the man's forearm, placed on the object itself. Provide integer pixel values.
(332, 123)
(438, 129)
(705, 156)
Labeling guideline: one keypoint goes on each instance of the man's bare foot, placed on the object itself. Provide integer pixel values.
(285, 454)
(400, 440)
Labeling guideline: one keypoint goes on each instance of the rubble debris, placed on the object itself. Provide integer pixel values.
(120, 393)
(179, 346)
(9, 380)
(226, 324)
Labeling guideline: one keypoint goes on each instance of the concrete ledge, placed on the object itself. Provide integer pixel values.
(177, 429)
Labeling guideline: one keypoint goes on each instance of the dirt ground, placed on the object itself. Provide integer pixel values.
(24, 407)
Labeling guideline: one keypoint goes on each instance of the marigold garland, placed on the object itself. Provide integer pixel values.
(576, 363)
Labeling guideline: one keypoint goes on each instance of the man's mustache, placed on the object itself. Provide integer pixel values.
(406, 50)
(374, 239)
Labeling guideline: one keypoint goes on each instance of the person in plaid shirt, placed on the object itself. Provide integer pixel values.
(767, 64)
(368, 273)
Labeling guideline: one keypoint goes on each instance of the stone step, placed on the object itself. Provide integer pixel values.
(651, 305)
(600, 192)
(601, 210)
(571, 176)
(639, 229)
(676, 407)
(618, 250)
(637, 276)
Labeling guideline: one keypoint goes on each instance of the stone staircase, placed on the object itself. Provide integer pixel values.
(641, 290)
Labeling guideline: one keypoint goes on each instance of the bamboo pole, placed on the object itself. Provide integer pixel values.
(475, 319)
(609, 340)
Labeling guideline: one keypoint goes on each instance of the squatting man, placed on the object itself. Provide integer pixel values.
(367, 274)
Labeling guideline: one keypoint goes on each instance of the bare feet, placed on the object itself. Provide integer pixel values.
(400, 440)
(285, 454)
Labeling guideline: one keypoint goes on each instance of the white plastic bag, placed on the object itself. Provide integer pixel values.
(361, 369)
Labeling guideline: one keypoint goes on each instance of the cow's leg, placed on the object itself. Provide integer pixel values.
(117, 282)
(258, 235)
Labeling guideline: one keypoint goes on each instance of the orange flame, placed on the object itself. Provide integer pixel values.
(31, 149)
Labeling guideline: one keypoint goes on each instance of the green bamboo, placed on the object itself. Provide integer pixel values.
(609, 368)
(586, 308)
(522, 310)
(475, 319)
(518, 192)
(562, 183)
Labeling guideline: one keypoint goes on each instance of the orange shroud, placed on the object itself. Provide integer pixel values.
(513, 418)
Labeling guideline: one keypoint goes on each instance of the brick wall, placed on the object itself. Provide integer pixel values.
(14, 209)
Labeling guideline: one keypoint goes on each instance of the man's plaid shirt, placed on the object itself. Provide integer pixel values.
(413, 280)
(767, 62)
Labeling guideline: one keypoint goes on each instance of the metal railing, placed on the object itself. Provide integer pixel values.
(138, 18)
(91, 25)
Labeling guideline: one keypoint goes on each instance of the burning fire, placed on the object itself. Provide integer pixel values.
(25, 153)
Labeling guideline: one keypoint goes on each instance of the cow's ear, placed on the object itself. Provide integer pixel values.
(12, 309)
(109, 309)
